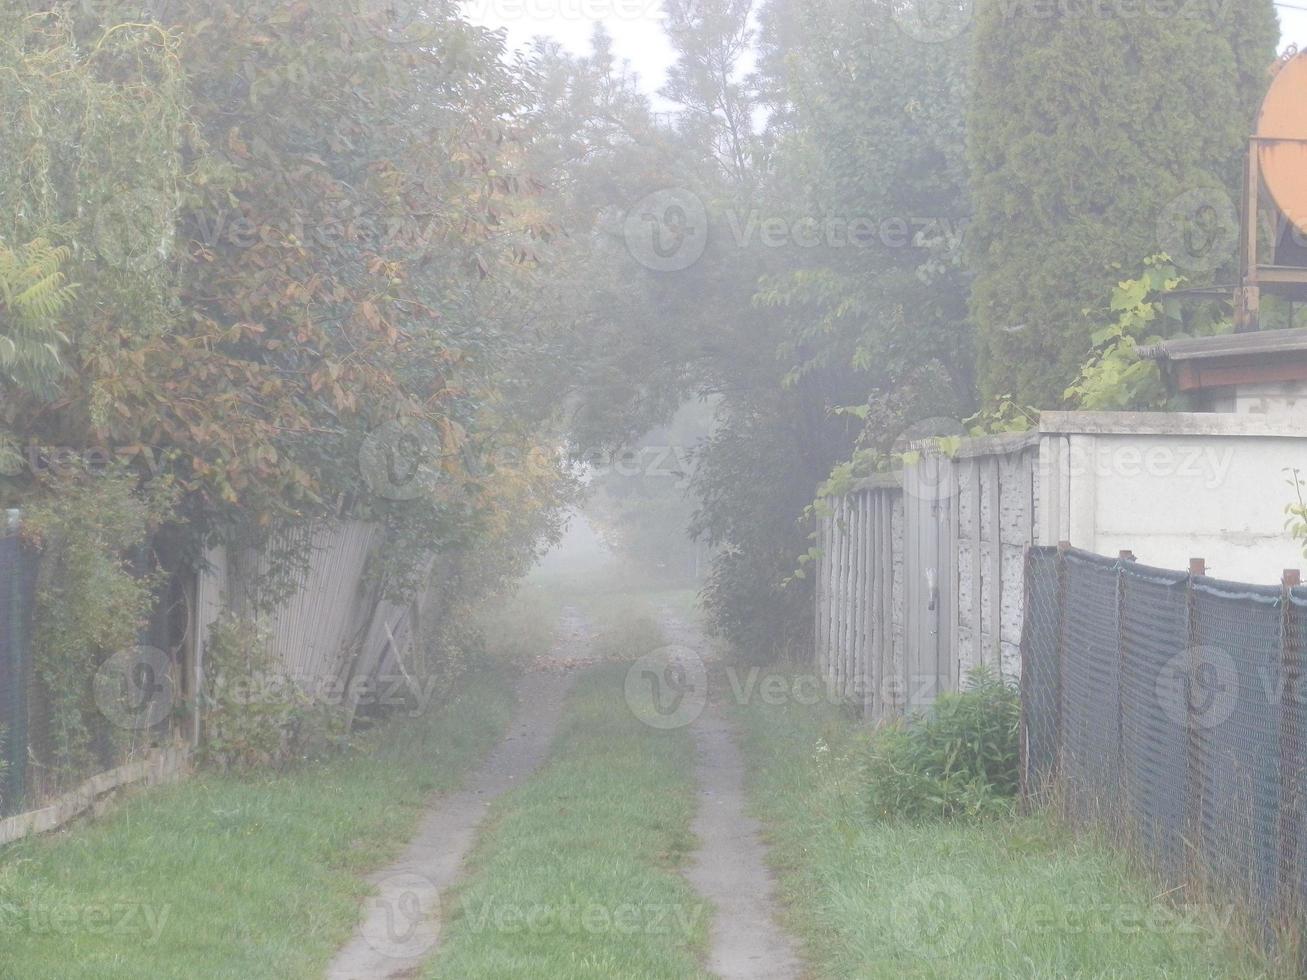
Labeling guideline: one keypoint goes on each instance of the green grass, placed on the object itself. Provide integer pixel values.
(577, 874)
(223, 877)
(623, 620)
(611, 595)
(523, 623)
(520, 624)
(1018, 897)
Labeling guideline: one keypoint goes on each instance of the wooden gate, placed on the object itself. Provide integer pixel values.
(930, 501)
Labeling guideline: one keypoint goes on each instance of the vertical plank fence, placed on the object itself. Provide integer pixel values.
(920, 578)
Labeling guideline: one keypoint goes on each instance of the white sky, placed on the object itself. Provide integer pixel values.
(638, 37)
(634, 24)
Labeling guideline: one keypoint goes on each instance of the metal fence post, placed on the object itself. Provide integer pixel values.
(1287, 816)
(1060, 717)
(1193, 782)
(15, 748)
(1120, 682)
(1026, 682)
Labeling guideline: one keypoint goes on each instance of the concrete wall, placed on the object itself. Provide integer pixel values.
(1171, 487)
(922, 571)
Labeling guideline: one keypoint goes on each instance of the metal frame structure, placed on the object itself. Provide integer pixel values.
(1254, 276)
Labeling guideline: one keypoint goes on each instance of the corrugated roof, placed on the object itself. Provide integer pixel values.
(1254, 344)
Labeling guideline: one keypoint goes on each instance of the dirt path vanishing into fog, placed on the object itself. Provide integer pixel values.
(730, 868)
(399, 927)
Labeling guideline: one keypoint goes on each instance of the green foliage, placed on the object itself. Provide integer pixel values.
(869, 133)
(254, 715)
(1004, 414)
(94, 110)
(90, 602)
(269, 270)
(1295, 511)
(753, 482)
(1085, 129)
(959, 759)
(33, 293)
(1141, 312)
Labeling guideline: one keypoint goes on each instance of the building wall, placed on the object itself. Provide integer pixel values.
(1275, 398)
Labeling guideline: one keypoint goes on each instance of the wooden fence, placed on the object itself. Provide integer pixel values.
(920, 575)
(334, 630)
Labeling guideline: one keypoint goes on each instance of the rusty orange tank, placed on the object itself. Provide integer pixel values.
(1284, 117)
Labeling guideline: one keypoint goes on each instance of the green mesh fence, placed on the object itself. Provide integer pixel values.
(17, 587)
(1172, 706)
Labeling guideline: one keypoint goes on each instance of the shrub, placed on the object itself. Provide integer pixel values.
(254, 715)
(90, 602)
(959, 759)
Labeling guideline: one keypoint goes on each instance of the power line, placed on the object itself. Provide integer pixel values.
(1289, 6)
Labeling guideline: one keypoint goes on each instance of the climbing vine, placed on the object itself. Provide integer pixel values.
(1141, 311)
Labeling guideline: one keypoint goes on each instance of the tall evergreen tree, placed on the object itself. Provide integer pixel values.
(1097, 135)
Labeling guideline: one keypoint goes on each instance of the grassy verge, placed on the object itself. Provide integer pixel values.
(222, 877)
(1004, 898)
(576, 875)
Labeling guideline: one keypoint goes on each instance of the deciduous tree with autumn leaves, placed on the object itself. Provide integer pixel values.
(287, 224)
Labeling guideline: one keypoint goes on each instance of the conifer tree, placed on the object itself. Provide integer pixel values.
(1100, 133)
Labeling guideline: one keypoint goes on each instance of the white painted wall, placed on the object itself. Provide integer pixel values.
(1171, 487)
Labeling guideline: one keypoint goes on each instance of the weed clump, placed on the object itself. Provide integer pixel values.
(957, 760)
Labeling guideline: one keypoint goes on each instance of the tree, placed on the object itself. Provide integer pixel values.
(639, 498)
(864, 179)
(712, 40)
(290, 227)
(1099, 136)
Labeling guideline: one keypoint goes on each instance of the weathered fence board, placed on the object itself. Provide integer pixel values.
(920, 577)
